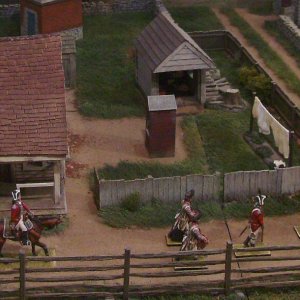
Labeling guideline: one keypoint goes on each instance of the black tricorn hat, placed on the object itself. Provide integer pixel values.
(189, 194)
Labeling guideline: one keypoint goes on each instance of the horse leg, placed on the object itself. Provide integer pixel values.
(33, 249)
(43, 246)
(2, 242)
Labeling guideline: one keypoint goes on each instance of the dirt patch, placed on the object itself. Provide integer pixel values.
(74, 169)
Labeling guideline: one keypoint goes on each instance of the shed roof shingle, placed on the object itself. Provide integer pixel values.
(161, 38)
(32, 97)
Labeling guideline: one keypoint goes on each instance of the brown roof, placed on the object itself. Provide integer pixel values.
(32, 97)
(162, 37)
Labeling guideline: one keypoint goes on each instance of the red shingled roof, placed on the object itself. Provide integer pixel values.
(32, 97)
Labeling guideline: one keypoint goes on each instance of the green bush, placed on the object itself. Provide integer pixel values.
(132, 202)
(254, 81)
(264, 151)
(255, 138)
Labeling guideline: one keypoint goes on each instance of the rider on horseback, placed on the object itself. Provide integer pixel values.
(17, 215)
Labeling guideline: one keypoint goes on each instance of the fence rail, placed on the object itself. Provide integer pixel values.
(127, 275)
(235, 186)
(226, 41)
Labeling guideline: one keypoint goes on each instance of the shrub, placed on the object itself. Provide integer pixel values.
(254, 81)
(264, 151)
(132, 202)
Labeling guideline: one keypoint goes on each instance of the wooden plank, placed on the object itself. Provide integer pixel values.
(156, 188)
(217, 186)
(190, 182)
(171, 186)
(148, 189)
(246, 184)
(198, 187)
(104, 193)
(120, 190)
(183, 187)
(33, 185)
(114, 192)
(256, 252)
(177, 189)
(279, 181)
(253, 183)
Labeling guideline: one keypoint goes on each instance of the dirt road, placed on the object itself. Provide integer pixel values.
(257, 23)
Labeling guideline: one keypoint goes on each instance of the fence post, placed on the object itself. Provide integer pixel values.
(251, 115)
(228, 258)
(22, 275)
(291, 144)
(126, 274)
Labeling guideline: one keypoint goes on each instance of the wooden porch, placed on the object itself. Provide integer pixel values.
(40, 200)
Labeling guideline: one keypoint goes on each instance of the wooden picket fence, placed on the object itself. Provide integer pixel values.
(136, 275)
(237, 186)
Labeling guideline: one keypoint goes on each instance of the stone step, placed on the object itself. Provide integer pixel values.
(211, 88)
(212, 93)
(221, 80)
(214, 99)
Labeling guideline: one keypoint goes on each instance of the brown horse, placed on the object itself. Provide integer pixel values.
(34, 234)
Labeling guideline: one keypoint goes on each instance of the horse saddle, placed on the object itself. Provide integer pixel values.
(8, 232)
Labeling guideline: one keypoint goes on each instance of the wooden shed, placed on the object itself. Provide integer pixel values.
(161, 125)
(49, 16)
(33, 126)
(168, 61)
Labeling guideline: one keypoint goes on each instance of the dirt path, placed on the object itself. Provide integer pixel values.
(100, 142)
(257, 23)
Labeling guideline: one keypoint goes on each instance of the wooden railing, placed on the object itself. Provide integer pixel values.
(128, 275)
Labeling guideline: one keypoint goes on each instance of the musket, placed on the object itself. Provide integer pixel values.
(244, 230)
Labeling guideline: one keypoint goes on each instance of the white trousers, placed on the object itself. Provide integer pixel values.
(21, 225)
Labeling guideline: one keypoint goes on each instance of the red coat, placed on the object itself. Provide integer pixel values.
(16, 210)
(256, 219)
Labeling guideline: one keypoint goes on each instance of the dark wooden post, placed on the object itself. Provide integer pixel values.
(126, 274)
(251, 116)
(22, 275)
(291, 142)
(228, 258)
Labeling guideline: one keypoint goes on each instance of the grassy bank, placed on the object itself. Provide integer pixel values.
(272, 28)
(158, 214)
(195, 18)
(271, 58)
(106, 85)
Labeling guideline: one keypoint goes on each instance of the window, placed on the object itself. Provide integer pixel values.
(35, 165)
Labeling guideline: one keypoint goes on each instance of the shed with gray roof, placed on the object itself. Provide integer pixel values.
(167, 56)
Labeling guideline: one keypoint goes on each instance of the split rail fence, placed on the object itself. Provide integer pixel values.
(233, 186)
(225, 41)
(136, 275)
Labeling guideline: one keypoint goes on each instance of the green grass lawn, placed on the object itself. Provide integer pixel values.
(271, 58)
(225, 148)
(195, 18)
(272, 28)
(106, 86)
(10, 27)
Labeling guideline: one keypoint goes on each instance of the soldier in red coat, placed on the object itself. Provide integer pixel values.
(18, 210)
(256, 221)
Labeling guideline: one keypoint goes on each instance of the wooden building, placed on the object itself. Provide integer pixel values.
(168, 61)
(161, 125)
(48, 16)
(33, 127)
